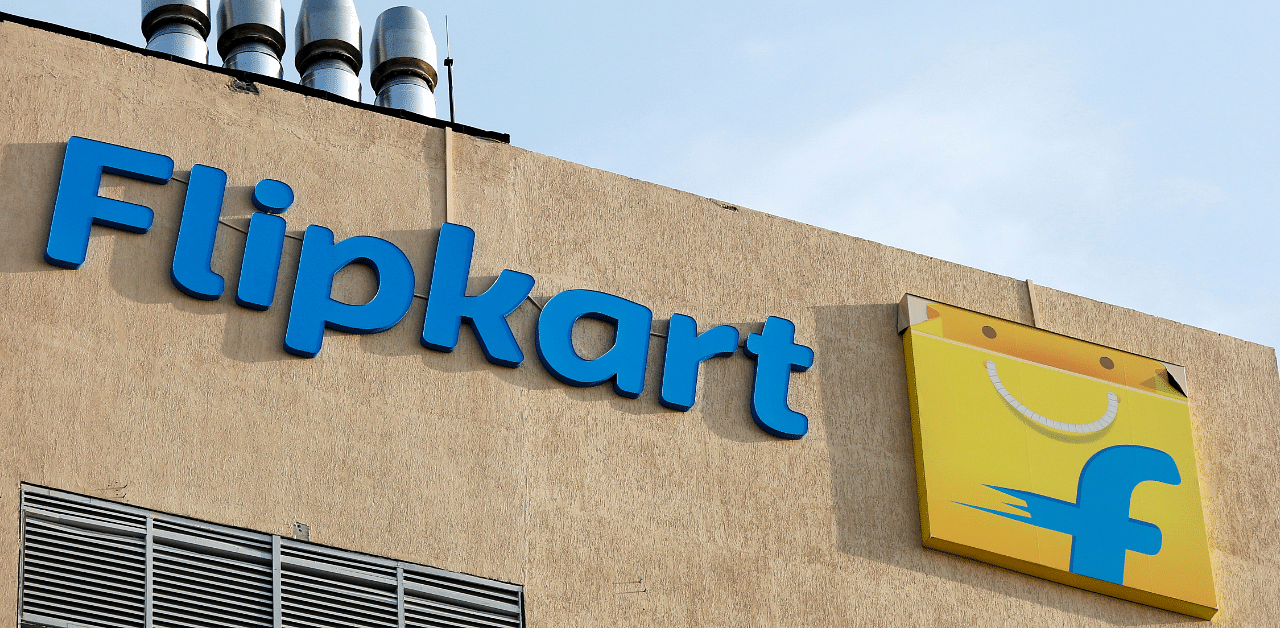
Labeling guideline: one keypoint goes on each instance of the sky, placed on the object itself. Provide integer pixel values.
(1120, 151)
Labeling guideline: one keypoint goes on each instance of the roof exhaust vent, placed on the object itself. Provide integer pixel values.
(330, 47)
(251, 36)
(177, 27)
(404, 61)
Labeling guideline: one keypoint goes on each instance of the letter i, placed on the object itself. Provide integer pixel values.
(260, 267)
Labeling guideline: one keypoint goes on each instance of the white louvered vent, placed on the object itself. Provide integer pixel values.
(436, 598)
(82, 564)
(90, 563)
(324, 588)
(207, 576)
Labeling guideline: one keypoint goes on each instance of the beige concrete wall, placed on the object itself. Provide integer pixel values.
(612, 512)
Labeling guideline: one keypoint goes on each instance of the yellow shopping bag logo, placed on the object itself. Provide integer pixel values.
(1055, 457)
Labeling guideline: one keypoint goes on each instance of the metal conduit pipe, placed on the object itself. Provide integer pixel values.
(251, 36)
(404, 61)
(177, 27)
(330, 47)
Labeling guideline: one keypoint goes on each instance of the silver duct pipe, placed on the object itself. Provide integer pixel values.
(177, 27)
(251, 36)
(404, 61)
(330, 47)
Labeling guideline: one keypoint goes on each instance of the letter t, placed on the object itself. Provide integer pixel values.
(777, 355)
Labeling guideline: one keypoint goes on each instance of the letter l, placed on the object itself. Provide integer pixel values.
(193, 256)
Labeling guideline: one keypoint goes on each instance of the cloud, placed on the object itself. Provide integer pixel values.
(1182, 191)
(991, 160)
(982, 161)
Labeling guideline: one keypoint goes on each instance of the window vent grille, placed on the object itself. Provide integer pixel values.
(325, 589)
(82, 566)
(206, 577)
(439, 598)
(89, 563)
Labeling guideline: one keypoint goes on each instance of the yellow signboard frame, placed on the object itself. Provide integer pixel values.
(1056, 457)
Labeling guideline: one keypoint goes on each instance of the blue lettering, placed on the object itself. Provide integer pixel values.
(314, 308)
(686, 350)
(272, 197)
(260, 266)
(78, 206)
(624, 362)
(1099, 522)
(192, 257)
(448, 306)
(777, 355)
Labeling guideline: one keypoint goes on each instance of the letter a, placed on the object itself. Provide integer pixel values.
(624, 363)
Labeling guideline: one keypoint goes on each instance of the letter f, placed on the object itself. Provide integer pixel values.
(1099, 521)
(1104, 496)
(79, 207)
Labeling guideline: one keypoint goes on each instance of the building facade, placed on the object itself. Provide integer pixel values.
(604, 509)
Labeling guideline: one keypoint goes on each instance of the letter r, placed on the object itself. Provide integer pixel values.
(79, 207)
(686, 350)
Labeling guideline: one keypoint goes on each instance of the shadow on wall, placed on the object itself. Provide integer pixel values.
(873, 473)
(724, 389)
(28, 185)
(138, 269)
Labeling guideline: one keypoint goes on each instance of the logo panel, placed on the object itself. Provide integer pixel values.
(1056, 457)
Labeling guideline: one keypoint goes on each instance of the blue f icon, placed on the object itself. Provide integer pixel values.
(1099, 522)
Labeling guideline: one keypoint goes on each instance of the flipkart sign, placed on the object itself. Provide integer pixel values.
(1056, 457)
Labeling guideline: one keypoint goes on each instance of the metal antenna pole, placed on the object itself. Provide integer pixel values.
(448, 64)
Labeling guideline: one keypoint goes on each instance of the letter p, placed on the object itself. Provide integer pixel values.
(314, 307)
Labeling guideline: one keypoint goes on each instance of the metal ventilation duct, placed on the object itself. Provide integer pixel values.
(177, 27)
(404, 61)
(251, 36)
(330, 47)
